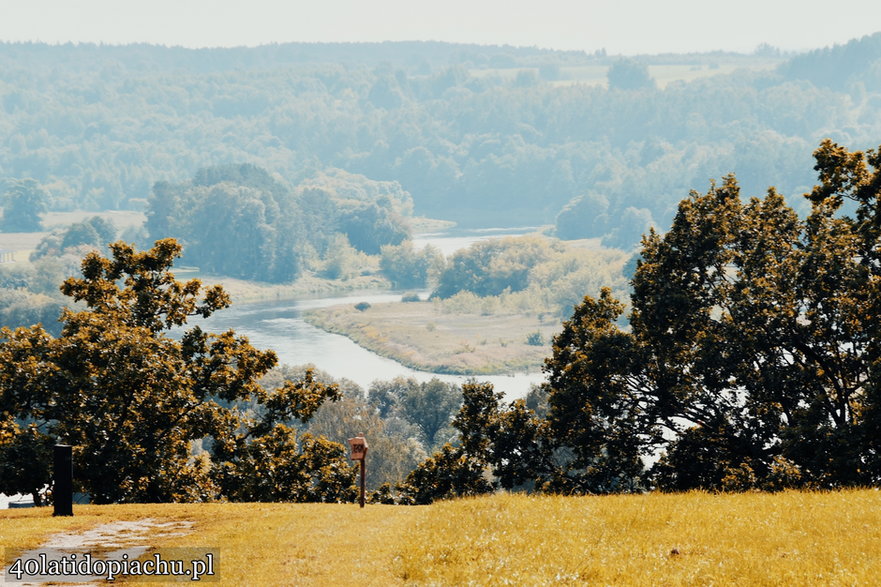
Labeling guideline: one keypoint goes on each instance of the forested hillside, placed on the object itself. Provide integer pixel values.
(481, 135)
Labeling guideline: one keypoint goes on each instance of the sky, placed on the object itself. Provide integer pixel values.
(627, 27)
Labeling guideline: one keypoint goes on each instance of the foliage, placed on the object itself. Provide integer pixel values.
(23, 202)
(133, 401)
(92, 233)
(18, 307)
(95, 231)
(841, 65)
(584, 216)
(274, 225)
(370, 227)
(20, 449)
(275, 467)
(750, 360)
(430, 405)
(396, 445)
(447, 474)
(406, 267)
(342, 261)
(529, 274)
(626, 74)
(488, 268)
(29, 291)
(752, 344)
(511, 443)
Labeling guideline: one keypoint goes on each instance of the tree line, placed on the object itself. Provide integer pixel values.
(238, 220)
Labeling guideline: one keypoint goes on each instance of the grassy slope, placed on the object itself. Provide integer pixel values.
(420, 336)
(746, 539)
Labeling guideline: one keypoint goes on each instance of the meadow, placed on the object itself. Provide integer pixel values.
(790, 538)
(421, 335)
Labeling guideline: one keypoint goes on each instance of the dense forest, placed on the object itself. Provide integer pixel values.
(485, 136)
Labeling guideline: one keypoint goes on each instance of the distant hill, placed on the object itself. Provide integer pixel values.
(144, 57)
(858, 60)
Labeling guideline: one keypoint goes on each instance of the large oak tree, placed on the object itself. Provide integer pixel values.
(751, 357)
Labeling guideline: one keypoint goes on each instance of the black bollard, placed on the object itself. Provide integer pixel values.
(62, 492)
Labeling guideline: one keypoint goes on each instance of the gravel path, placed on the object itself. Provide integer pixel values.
(115, 541)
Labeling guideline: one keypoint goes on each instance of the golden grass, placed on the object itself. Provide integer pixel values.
(421, 336)
(792, 538)
(746, 539)
(258, 544)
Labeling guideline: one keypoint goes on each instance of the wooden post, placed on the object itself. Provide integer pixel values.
(62, 491)
(363, 476)
(359, 453)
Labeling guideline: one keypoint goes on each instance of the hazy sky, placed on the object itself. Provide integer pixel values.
(619, 26)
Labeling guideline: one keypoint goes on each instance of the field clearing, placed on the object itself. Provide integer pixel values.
(23, 243)
(121, 219)
(790, 538)
(663, 74)
(20, 244)
(420, 336)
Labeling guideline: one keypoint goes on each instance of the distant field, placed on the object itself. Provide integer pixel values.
(663, 74)
(121, 219)
(420, 336)
(22, 243)
(785, 539)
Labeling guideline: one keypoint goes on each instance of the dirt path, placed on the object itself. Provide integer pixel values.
(117, 541)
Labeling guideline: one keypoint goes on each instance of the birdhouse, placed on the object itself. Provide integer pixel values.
(359, 448)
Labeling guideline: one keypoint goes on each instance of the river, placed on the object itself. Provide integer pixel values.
(278, 325)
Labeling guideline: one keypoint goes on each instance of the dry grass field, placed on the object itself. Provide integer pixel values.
(421, 336)
(792, 538)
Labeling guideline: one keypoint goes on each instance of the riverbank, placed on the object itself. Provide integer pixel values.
(421, 336)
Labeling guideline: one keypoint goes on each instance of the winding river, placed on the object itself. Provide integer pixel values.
(278, 325)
